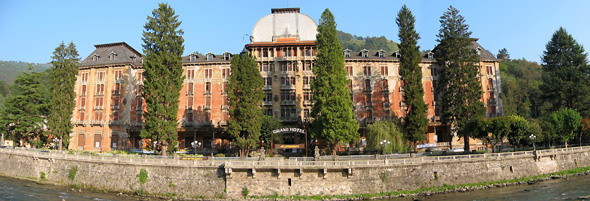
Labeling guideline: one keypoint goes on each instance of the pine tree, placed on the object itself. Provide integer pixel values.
(245, 98)
(163, 48)
(24, 112)
(459, 84)
(566, 73)
(334, 119)
(63, 78)
(416, 120)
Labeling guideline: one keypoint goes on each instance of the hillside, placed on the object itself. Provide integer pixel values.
(358, 43)
(10, 69)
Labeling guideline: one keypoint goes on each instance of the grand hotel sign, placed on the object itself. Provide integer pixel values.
(289, 146)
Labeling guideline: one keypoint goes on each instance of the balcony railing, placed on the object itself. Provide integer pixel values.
(386, 104)
(306, 86)
(287, 86)
(225, 107)
(267, 103)
(115, 122)
(116, 92)
(137, 124)
(96, 122)
(82, 108)
(115, 107)
(288, 102)
(307, 102)
(80, 122)
(207, 107)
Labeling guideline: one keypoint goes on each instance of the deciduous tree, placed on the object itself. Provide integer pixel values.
(389, 130)
(163, 48)
(416, 121)
(566, 121)
(519, 128)
(334, 119)
(63, 78)
(459, 84)
(245, 98)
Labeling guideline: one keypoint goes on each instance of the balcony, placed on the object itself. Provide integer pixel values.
(288, 102)
(137, 124)
(287, 87)
(207, 107)
(189, 123)
(116, 93)
(80, 122)
(225, 107)
(307, 102)
(97, 107)
(115, 107)
(82, 108)
(306, 86)
(223, 123)
(115, 122)
(267, 87)
(267, 103)
(207, 93)
(96, 122)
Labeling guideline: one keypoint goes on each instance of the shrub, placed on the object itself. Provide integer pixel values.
(72, 173)
(143, 176)
(219, 155)
(42, 175)
(245, 192)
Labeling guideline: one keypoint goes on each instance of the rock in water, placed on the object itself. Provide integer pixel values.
(586, 197)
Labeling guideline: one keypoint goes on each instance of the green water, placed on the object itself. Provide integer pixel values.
(556, 189)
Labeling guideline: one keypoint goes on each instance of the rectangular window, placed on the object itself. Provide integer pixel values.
(97, 138)
(139, 76)
(115, 115)
(349, 70)
(208, 73)
(189, 102)
(84, 77)
(139, 105)
(224, 87)
(83, 91)
(81, 140)
(208, 101)
(98, 103)
(367, 70)
(118, 75)
(490, 70)
(189, 88)
(100, 76)
(384, 71)
(82, 102)
(189, 117)
(268, 97)
(82, 116)
(305, 80)
(292, 81)
(368, 85)
(190, 74)
(225, 73)
(208, 87)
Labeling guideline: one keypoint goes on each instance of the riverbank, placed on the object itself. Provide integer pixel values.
(342, 180)
(440, 189)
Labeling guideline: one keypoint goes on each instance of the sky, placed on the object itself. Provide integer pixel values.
(30, 30)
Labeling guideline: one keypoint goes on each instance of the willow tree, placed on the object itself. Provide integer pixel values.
(334, 119)
(245, 98)
(163, 47)
(416, 121)
(459, 85)
(62, 95)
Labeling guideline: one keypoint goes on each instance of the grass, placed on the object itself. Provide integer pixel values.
(427, 189)
(72, 173)
(42, 176)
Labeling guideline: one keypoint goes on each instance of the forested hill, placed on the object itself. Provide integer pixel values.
(358, 43)
(10, 69)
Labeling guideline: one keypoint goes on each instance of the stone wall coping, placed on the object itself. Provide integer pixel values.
(287, 164)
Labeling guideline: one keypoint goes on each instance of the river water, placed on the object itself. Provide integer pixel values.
(557, 189)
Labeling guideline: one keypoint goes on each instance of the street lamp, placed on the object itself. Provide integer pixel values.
(533, 137)
(195, 144)
(56, 141)
(384, 143)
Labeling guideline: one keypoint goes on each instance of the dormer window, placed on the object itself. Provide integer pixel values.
(133, 58)
(112, 55)
(381, 53)
(226, 56)
(193, 57)
(478, 50)
(396, 54)
(346, 53)
(210, 56)
(95, 57)
(364, 53)
(431, 55)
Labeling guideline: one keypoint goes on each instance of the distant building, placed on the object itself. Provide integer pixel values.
(109, 105)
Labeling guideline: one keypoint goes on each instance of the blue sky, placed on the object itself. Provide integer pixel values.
(30, 30)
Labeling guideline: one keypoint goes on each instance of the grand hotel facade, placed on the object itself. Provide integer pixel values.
(109, 105)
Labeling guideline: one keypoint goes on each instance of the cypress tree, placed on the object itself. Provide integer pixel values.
(566, 73)
(459, 84)
(63, 78)
(245, 98)
(416, 120)
(163, 48)
(334, 119)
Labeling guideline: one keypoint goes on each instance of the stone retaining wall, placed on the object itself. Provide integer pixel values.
(211, 180)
